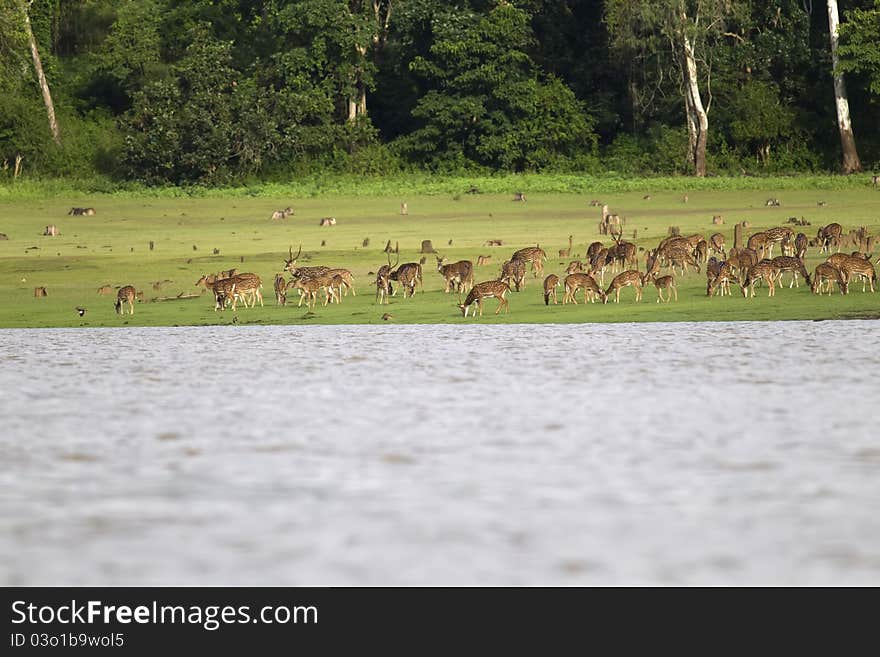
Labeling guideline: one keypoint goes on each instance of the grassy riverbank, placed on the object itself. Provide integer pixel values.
(112, 248)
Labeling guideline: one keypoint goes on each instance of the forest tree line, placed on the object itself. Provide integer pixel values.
(222, 91)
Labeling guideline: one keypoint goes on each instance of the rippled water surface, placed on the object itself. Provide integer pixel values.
(595, 454)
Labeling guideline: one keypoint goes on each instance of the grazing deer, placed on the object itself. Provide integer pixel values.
(722, 280)
(800, 246)
(486, 290)
(408, 275)
(459, 276)
(824, 278)
(625, 279)
(742, 259)
(761, 271)
(716, 245)
(280, 290)
(856, 266)
(534, 255)
(694, 239)
(40, 292)
(575, 282)
(790, 264)
(514, 272)
(829, 236)
(680, 258)
(550, 285)
(483, 260)
(600, 263)
(566, 253)
(79, 212)
(125, 295)
(663, 283)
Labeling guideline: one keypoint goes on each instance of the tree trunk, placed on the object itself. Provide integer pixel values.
(851, 161)
(698, 120)
(41, 76)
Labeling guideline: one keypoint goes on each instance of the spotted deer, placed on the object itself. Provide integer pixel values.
(829, 236)
(535, 256)
(800, 246)
(409, 275)
(309, 288)
(716, 245)
(585, 282)
(383, 281)
(459, 276)
(824, 278)
(855, 266)
(720, 283)
(624, 254)
(550, 285)
(593, 249)
(280, 290)
(282, 214)
(248, 285)
(514, 272)
(347, 279)
(574, 267)
(794, 266)
(701, 251)
(742, 259)
(486, 290)
(775, 236)
(291, 267)
(761, 271)
(663, 283)
(600, 262)
(681, 258)
(625, 279)
(483, 260)
(125, 295)
(758, 243)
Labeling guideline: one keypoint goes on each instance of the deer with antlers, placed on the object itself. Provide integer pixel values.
(291, 267)
(383, 281)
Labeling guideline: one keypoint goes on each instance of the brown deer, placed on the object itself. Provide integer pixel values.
(105, 289)
(282, 214)
(574, 267)
(800, 246)
(624, 254)
(280, 290)
(309, 288)
(534, 255)
(486, 290)
(600, 263)
(701, 251)
(247, 285)
(301, 272)
(793, 265)
(575, 282)
(40, 292)
(383, 281)
(758, 243)
(855, 266)
(550, 285)
(566, 253)
(681, 258)
(829, 236)
(409, 275)
(824, 278)
(593, 249)
(125, 295)
(722, 280)
(459, 276)
(514, 272)
(483, 260)
(761, 271)
(775, 236)
(716, 245)
(347, 279)
(625, 279)
(663, 283)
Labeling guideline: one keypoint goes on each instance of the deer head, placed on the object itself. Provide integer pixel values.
(290, 263)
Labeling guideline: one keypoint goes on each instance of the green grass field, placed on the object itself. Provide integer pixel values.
(112, 248)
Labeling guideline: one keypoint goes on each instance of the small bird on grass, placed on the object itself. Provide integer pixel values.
(81, 311)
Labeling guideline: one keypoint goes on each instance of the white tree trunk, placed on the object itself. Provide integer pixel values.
(851, 161)
(698, 119)
(41, 76)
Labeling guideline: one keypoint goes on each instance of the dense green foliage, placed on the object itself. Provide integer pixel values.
(226, 91)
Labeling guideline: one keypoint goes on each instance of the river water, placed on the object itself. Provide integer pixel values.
(711, 453)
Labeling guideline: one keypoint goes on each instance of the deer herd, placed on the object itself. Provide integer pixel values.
(746, 266)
